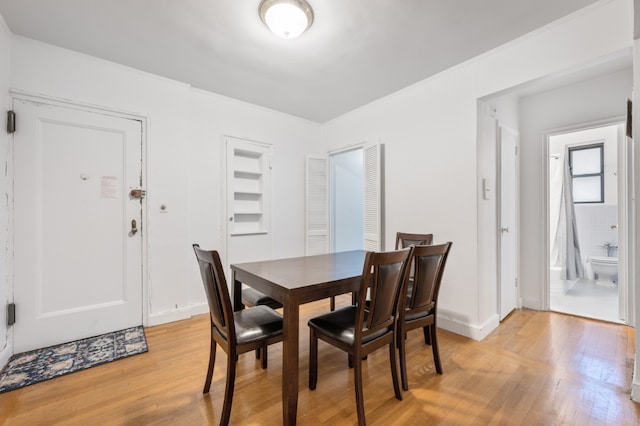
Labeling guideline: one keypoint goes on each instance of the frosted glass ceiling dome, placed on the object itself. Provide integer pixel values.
(286, 18)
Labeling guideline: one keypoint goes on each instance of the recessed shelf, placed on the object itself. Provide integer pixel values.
(249, 190)
(247, 174)
(258, 193)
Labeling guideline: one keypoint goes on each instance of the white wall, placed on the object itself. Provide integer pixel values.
(586, 102)
(430, 134)
(5, 105)
(635, 293)
(183, 163)
(211, 117)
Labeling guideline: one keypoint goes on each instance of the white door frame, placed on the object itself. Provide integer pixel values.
(51, 100)
(624, 254)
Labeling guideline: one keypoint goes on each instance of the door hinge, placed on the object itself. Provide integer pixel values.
(11, 122)
(516, 282)
(11, 313)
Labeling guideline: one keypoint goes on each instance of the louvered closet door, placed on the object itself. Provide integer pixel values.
(373, 198)
(317, 205)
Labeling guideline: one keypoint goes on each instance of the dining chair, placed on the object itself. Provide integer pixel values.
(420, 307)
(359, 331)
(404, 239)
(236, 332)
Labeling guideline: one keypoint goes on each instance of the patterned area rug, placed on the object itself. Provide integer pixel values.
(43, 364)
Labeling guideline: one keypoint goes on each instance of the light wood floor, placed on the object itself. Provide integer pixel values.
(536, 368)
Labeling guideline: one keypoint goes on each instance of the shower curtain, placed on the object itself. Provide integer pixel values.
(567, 232)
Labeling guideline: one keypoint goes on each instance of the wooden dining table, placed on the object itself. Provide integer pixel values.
(292, 282)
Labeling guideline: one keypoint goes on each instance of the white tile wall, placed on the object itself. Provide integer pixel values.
(594, 228)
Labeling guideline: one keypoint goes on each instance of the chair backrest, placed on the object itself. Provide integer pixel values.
(215, 286)
(428, 264)
(404, 240)
(384, 274)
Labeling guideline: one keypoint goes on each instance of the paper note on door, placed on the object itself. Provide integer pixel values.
(109, 187)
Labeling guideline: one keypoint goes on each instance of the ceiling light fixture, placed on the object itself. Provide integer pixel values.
(286, 18)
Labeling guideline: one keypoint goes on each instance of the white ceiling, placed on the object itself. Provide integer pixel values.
(356, 51)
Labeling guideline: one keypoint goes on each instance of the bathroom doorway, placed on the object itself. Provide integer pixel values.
(584, 216)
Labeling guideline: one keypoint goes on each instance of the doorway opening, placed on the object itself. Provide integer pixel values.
(346, 183)
(583, 215)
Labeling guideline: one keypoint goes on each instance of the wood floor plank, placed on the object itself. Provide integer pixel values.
(536, 368)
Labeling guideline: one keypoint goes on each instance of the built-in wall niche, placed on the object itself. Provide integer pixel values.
(248, 167)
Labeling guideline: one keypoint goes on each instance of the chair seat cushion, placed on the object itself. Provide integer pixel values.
(252, 297)
(257, 323)
(339, 325)
(412, 316)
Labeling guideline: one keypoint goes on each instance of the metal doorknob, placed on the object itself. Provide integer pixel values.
(134, 227)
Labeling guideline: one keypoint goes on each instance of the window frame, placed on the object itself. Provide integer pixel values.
(600, 146)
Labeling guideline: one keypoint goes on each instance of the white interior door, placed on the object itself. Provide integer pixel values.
(508, 247)
(249, 236)
(77, 261)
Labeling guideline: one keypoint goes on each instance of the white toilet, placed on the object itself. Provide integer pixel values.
(604, 269)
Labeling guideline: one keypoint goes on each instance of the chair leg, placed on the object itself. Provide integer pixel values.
(357, 383)
(394, 370)
(264, 356)
(258, 353)
(402, 348)
(434, 347)
(228, 392)
(427, 336)
(212, 363)
(313, 359)
(332, 303)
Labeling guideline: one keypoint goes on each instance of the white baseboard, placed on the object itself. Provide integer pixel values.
(635, 384)
(177, 314)
(199, 309)
(455, 323)
(534, 304)
(635, 390)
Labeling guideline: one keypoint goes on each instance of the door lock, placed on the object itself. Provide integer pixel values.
(503, 230)
(137, 193)
(134, 227)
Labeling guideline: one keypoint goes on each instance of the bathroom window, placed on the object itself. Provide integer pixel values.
(587, 173)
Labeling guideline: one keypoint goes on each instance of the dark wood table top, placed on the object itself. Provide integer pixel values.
(320, 274)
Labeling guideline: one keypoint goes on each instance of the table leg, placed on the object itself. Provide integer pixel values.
(291, 319)
(236, 294)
